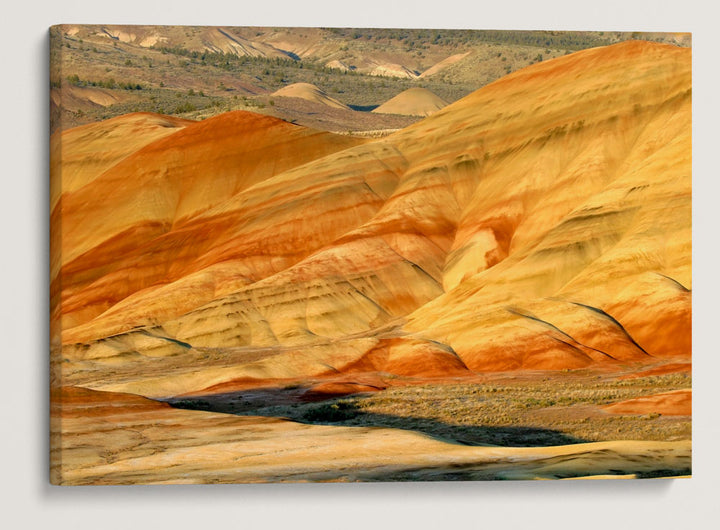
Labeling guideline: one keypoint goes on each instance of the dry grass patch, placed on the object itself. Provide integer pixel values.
(561, 409)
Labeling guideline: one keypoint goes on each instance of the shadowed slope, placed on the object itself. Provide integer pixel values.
(110, 438)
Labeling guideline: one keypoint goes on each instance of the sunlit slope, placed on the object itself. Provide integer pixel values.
(576, 244)
(251, 240)
(81, 154)
(311, 93)
(413, 102)
(541, 222)
(127, 228)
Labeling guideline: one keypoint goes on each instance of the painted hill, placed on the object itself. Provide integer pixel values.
(412, 102)
(87, 151)
(309, 92)
(543, 222)
(173, 179)
(555, 244)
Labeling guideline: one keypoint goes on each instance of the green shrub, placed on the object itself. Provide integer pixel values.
(185, 107)
(332, 412)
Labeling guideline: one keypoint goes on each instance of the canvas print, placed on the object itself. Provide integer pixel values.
(341, 255)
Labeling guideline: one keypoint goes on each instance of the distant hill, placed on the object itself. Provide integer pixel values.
(412, 102)
(196, 72)
(311, 93)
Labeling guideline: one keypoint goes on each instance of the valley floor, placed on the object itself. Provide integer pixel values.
(504, 426)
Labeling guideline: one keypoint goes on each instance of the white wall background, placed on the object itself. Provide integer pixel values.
(26, 499)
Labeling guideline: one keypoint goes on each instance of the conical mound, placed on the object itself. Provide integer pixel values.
(413, 102)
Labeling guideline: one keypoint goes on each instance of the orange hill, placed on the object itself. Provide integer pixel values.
(677, 403)
(543, 222)
(79, 155)
(127, 229)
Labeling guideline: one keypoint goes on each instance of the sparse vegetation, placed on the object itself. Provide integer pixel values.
(184, 108)
(75, 80)
(331, 412)
(223, 75)
(557, 409)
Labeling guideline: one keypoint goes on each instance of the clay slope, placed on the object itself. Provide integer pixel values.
(309, 92)
(438, 67)
(542, 222)
(195, 38)
(575, 246)
(412, 102)
(221, 41)
(79, 155)
(129, 227)
(393, 70)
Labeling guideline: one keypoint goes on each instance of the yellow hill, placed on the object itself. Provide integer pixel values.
(438, 67)
(412, 102)
(311, 93)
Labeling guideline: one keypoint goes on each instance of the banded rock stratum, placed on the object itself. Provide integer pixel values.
(542, 222)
